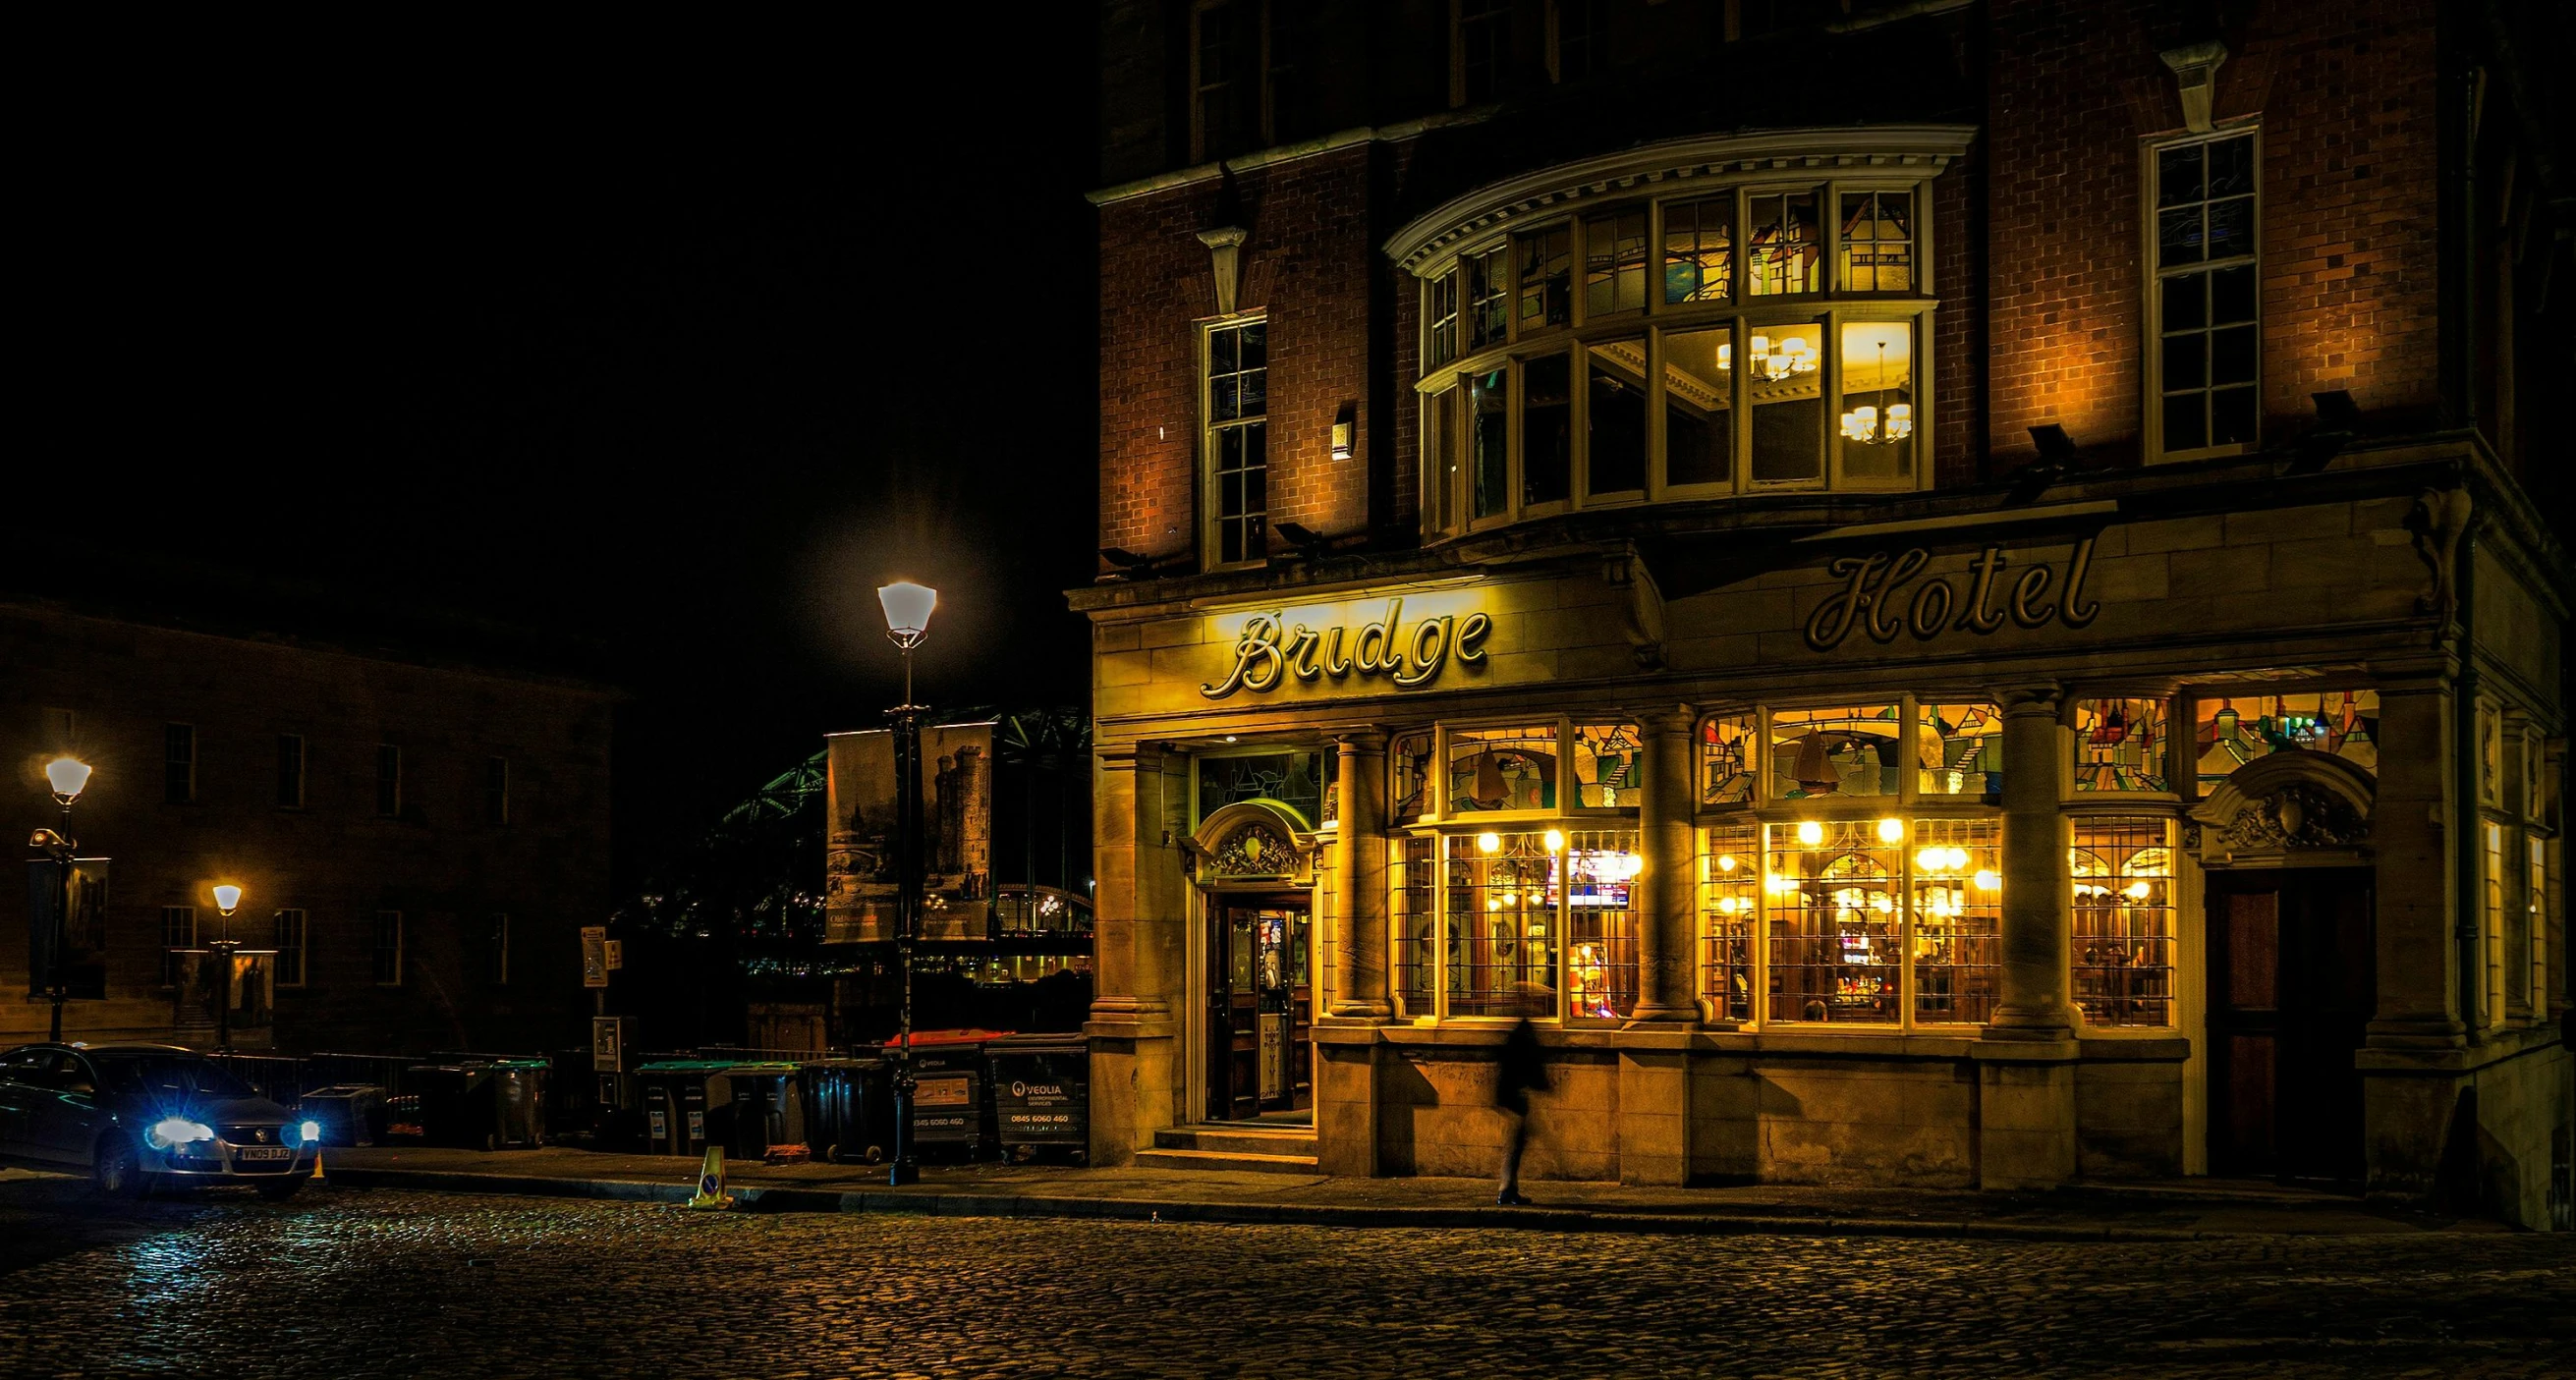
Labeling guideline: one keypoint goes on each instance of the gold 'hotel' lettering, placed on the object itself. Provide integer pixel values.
(1266, 655)
(1870, 598)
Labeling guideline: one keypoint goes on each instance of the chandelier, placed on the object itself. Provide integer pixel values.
(1774, 360)
(1872, 426)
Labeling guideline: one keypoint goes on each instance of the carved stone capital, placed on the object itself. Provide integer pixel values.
(1225, 250)
(2195, 69)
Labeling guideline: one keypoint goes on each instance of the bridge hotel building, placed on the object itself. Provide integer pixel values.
(1945, 594)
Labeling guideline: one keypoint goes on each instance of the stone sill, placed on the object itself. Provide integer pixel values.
(1889, 1045)
(2492, 1048)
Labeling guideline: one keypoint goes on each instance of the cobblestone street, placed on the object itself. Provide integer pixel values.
(361, 1283)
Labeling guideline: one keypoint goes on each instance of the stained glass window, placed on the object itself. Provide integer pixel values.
(1786, 256)
(1699, 250)
(1726, 744)
(1609, 765)
(1842, 751)
(1959, 750)
(1878, 241)
(2123, 968)
(1601, 924)
(1500, 908)
(1546, 277)
(1408, 760)
(1417, 926)
(2120, 745)
(1614, 263)
(2230, 731)
(1294, 779)
(1502, 769)
(1730, 899)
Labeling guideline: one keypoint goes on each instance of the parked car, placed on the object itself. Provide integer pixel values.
(138, 1116)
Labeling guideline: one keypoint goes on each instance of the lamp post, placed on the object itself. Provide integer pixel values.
(68, 776)
(907, 614)
(227, 900)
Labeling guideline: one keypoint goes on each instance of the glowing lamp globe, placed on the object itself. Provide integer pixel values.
(69, 776)
(907, 610)
(227, 898)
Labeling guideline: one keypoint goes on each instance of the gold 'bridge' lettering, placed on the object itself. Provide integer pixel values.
(1268, 651)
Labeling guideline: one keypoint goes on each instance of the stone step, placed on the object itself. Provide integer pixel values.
(1224, 1160)
(1238, 1140)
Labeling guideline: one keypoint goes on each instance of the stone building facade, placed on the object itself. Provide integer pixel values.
(419, 841)
(1941, 593)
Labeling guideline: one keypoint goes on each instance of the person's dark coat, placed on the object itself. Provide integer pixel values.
(1520, 1070)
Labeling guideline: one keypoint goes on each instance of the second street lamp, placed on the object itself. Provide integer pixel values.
(227, 900)
(907, 613)
(67, 777)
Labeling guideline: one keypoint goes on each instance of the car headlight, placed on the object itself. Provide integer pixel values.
(310, 1133)
(171, 1132)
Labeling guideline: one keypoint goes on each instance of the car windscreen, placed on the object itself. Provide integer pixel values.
(172, 1076)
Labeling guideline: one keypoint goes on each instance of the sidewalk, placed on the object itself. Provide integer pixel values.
(2108, 1212)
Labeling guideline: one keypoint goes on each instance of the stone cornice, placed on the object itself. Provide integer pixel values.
(1289, 153)
(1923, 148)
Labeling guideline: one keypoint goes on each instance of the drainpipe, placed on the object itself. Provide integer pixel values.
(2470, 891)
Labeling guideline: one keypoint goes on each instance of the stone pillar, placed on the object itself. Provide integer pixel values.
(1141, 908)
(1359, 881)
(2035, 921)
(1666, 887)
(2415, 882)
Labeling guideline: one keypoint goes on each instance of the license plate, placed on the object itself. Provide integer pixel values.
(264, 1152)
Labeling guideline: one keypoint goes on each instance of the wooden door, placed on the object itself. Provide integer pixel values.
(2291, 984)
(1234, 1016)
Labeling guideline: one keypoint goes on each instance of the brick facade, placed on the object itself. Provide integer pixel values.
(439, 860)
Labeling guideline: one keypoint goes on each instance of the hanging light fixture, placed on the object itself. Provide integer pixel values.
(1876, 426)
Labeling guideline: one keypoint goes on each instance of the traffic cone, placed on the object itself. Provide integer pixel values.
(317, 1162)
(711, 1192)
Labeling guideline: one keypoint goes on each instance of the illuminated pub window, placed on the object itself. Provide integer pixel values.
(1785, 393)
(2492, 924)
(2230, 731)
(1501, 897)
(1784, 254)
(1699, 250)
(1699, 407)
(1408, 761)
(1294, 779)
(1876, 417)
(1842, 751)
(1830, 921)
(1956, 920)
(2204, 298)
(1502, 769)
(2123, 958)
(1609, 765)
(1726, 759)
(1730, 899)
(1416, 924)
(1959, 750)
(1238, 439)
(2120, 746)
(1878, 241)
(1601, 924)
(2536, 904)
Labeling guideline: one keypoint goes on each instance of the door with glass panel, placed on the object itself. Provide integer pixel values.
(2291, 984)
(1260, 1008)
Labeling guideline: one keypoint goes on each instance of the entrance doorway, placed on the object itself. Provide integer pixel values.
(1260, 1007)
(2292, 978)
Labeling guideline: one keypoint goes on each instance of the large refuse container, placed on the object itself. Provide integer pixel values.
(1041, 1094)
(849, 1109)
(350, 1114)
(518, 1103)
(456, 1104)
(687, 1104)
(768, 1107)
(951, 1096)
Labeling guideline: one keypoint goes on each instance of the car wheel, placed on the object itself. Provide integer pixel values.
(117, 1168)
(279, 1190)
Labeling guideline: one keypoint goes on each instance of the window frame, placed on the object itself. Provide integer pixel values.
(300, 929)
(171, 735)
(1828, 310)
(303, 771)
(1500, 12)
(2151, 362)
(1211, 520)
(378, 954)
(169, 969)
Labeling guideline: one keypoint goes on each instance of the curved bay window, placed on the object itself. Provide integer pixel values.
(1852, 874)
(1735, 339)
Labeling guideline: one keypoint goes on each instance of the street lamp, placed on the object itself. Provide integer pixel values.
(227, 900)
(68, 777)
(907, 613)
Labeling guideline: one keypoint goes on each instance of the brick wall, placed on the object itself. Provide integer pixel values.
(439, 861)
(2345, 95)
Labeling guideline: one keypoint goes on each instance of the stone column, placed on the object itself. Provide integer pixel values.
(2414, 879)
(1359, 881)
(2035, 920)
(1138, 939)
(1665, 900)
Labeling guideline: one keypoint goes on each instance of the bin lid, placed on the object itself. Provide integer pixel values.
(684, 1066)
(347, 1090)
(1042, 1043)
(759, 1067)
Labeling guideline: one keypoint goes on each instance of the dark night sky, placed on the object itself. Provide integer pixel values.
(669, 349)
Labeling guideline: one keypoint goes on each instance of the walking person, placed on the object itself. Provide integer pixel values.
(1519, 1070)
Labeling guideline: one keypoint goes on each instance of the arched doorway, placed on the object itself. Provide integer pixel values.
(2292, 968)
(1255, 869)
